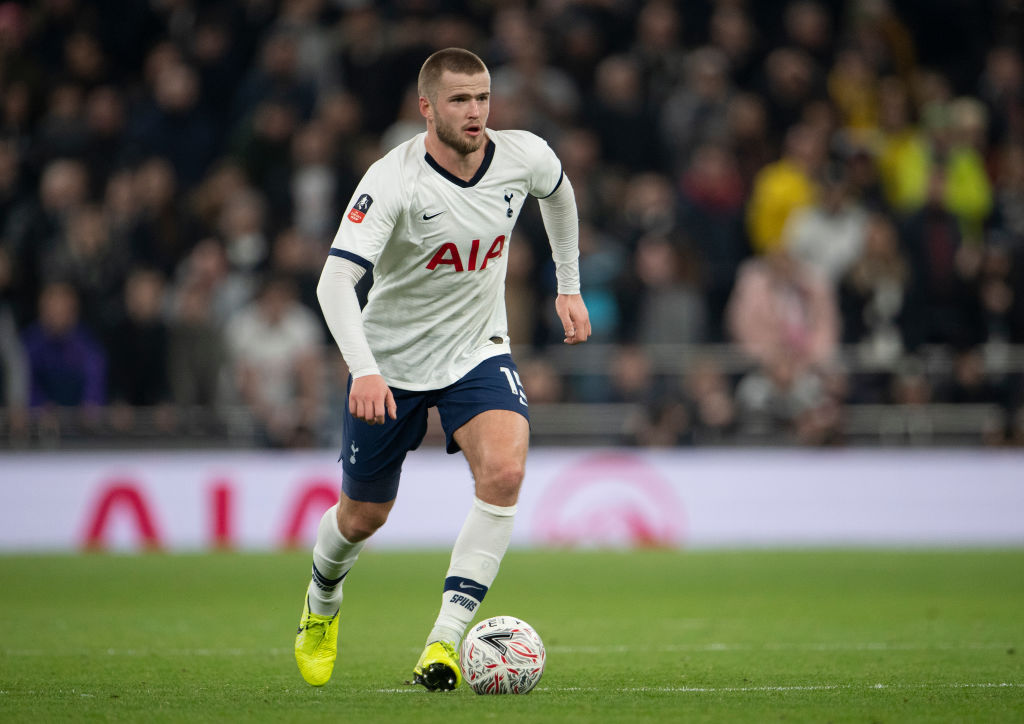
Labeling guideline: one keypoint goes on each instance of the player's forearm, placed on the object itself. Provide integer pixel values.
(337, 295)
(561, 222)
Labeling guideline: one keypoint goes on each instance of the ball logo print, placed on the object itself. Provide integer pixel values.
(502, 655)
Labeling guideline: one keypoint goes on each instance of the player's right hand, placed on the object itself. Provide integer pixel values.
(370, 399)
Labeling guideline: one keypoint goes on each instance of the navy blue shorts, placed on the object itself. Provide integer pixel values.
(372, 455)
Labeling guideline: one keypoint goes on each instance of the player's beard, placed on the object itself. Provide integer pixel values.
(452, 138)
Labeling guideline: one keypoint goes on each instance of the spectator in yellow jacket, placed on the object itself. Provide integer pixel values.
(785, 186)
(907, 158)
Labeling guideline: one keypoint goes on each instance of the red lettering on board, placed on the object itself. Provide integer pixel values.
(221, 506)
(314, 498)
(121, 495)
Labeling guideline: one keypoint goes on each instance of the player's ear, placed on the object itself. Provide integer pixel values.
(425, 108)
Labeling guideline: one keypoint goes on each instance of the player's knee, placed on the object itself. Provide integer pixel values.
(501, 484)
(358, 523)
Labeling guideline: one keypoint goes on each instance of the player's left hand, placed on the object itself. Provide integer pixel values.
(575, 317)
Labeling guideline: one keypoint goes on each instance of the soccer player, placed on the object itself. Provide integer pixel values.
(431, 221)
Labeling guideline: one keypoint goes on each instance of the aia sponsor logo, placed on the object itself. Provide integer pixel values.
(448, 254)
(359, 209)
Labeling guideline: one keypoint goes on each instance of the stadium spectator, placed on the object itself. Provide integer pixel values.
(67, 366)
(543, 380)
(550, 98)
(853, 88)
(669, 307)
(172, 124)
(731, 29)
(1007, 223)
(263, 148)
(749, 137)
(580, 151)
(314, 200)
(790, 82)
(35, 227)
(997, 297)
(711, 215)
(12, 182)
(695, 113)
(618, 113)
(778, 400)
(88, 258)
(243, 226)
(944, 298)
(1001, 89)
(224, 290)
(807, 26)
(138, 343)
(164, 230)
(873, 295)
(522, 298)
(709, 399)
(62, 131)
(277, 77)
(299, 257)
(658, 49)
(275, 348)
(13, 362)
(106, 117)
(911, 161)
(784, 314)
(601, 263)
(828, 234)
(782, 187)
(196, 354)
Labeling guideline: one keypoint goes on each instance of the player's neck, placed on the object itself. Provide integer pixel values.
(463, 166)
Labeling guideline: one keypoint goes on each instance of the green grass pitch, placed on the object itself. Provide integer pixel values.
(817, 636)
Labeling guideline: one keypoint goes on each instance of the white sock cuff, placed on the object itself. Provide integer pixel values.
(333, 552)
(496, 510)
(328, 532)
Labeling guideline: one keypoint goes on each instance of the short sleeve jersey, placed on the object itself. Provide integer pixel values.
(438, 247)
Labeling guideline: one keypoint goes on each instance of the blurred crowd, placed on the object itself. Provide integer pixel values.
(795, 178)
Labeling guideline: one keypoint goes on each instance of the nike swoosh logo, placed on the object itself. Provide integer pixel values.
(463, 585)
(432, 216)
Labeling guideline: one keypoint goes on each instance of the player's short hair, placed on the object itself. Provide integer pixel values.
(454, 60)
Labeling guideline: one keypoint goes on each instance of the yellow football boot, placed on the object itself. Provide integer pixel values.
(438, 667)
(316, 646)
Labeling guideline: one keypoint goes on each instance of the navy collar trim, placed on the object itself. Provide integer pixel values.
(484, 165)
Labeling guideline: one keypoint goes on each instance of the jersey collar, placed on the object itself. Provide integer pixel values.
(484, 165)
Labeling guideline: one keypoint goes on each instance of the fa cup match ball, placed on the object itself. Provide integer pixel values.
(502, 655)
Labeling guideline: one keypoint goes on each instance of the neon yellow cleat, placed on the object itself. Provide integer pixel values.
(438, 667)
(316, 646)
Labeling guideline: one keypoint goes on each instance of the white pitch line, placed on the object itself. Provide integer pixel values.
(707, 689)
(748, 689)
(567, 649)
(151, 652)
(836, 646)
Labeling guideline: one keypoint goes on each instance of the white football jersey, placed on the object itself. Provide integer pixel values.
(438, 250)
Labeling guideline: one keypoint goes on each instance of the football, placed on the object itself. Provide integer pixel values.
(502, 655)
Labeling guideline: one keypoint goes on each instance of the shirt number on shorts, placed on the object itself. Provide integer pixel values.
(515, 384)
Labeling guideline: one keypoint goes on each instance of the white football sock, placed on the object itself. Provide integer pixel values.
(474, 565)
(333, 557)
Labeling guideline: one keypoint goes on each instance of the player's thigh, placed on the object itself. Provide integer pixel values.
(495, 443)
(372, 455)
